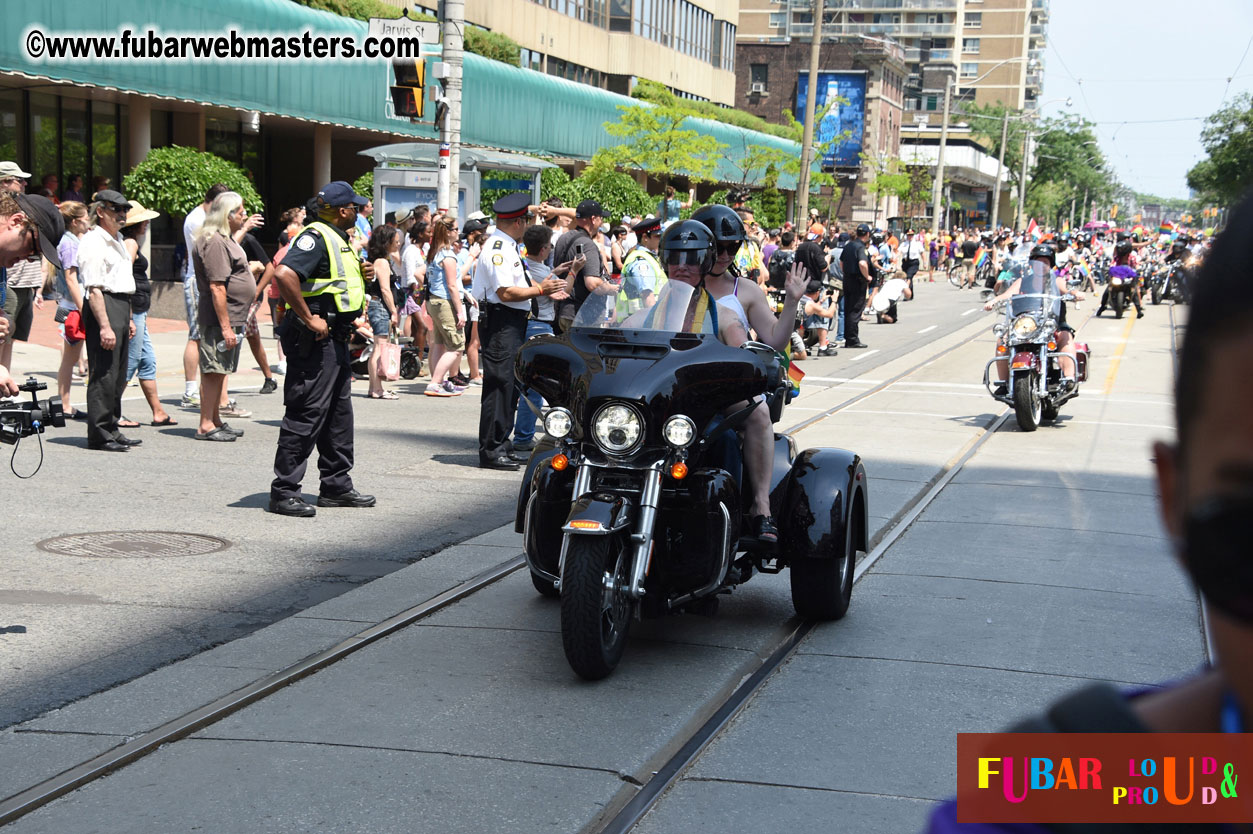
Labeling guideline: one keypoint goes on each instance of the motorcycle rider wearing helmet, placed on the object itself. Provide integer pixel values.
(1035, 280)
(745, 301)
(1124, 255)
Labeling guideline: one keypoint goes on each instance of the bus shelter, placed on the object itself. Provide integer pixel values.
(407, 174)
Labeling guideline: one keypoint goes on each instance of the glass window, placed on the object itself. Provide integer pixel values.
(45, 135)
(778, 20)
(74, 142)
(759, 73)
(970, 70)
(932, 102)
(12, 145)
(974, 20)
(970, 46)
(104, 144)
(221, 137)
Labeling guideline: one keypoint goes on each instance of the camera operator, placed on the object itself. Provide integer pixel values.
(30, 226)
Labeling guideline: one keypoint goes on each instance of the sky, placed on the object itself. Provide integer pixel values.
(1148, 60)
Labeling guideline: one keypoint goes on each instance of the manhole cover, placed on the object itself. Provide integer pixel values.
(138, 544)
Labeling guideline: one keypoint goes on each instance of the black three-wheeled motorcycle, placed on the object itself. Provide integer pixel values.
(633, 505)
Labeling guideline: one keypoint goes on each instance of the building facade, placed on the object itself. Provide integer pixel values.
(687, 45)
(996, 46)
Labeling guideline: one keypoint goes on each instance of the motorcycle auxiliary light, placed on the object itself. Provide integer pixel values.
(678, 471)
(617, 428)
(1024, 326)
(998, 329)
(679, 431)
(560, 462)
(558, 423)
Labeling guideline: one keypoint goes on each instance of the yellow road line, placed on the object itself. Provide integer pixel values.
(1116, 359)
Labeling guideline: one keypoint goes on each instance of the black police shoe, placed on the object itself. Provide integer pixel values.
(296, 507)
(855, 345)
(351, 498)
(108, 446)
(501, 462)
(127, 441)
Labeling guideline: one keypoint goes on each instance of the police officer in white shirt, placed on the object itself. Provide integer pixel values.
(104, 267)
(507, 291)
(912, 255)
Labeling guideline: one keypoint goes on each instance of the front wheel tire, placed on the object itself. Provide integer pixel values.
(596, 609)
(1027, 407)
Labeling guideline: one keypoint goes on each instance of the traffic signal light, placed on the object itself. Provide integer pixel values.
(408, 94)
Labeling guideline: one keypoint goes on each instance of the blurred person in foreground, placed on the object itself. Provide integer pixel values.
(1205, 479)
(30, 227)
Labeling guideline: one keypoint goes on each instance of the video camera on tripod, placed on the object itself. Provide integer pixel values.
(22, 419)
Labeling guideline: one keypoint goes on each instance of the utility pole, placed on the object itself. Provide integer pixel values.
(807, 137)
(937, 186)
(1000, 171)
(1072, 211)
(453, 24)
(1022, 179)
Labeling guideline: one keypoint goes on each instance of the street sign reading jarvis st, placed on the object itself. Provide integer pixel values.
(424, 30)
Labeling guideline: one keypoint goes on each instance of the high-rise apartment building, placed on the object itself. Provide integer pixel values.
(994, 46)
(687, 45)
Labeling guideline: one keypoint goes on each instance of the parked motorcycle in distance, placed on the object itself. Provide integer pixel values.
(633, 504)
(1034, 385)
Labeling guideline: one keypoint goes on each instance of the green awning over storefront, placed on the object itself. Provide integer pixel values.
(503, 107)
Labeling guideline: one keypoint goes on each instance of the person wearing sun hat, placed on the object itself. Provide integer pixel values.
(140, 357)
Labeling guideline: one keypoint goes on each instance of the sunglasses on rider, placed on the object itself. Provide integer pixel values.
(729, 247)
(685, 257)
(1216, 551)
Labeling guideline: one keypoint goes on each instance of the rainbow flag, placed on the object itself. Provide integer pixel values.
(1065, 226)
(982, 258)
(1166, 228)
(794, 373)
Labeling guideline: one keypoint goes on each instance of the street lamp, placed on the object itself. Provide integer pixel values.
(939, 161)
(1026, 149)
(1000, 165)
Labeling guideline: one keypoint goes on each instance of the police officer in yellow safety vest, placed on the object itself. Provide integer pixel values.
(642, 274)
(321, 279)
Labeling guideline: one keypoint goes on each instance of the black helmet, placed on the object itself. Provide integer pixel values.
(1044, 250)
(722, 222)
(876, 237)
(1121, 236)
(689, 236)
(1123, 247)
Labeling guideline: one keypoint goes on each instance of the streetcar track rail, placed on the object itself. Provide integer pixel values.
(48, 790)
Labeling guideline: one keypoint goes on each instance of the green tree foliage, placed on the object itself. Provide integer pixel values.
(656, 141)
(552, 182)
(986, 121)
(1068, 165)
(174, 180)
(1228, 139)
(364, 185)
(890, 178)
(646, 90)
(492, 45)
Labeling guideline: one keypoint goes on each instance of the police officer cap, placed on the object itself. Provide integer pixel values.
(512, 206)
(648, 225)
(863, 229)
(340, 193)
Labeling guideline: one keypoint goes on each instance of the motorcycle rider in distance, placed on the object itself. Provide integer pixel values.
(745, 301)
(1124, 255)
(1035, 280)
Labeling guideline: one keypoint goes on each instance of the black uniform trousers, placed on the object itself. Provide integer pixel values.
(317, 393)
(106, 369)
(910, 265)
(854, 306)
(502, 330)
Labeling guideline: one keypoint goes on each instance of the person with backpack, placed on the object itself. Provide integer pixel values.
(781, 260)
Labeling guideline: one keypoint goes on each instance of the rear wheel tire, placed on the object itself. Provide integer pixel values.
(1027, 407)
(594, 619)
(1156, 294)
(1119, 302)
(823, 588)
(955, 275)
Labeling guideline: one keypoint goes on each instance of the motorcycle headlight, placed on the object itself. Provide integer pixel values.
(1115, 281)
(998, 329)
(1024, 326)
(617, 428)
(558, 423)
(679, 431)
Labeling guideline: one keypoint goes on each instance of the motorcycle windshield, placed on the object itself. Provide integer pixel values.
(667, 359)
(1039, 303)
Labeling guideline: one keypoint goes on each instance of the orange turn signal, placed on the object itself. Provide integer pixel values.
(678, 471)
(587, 525)
(560, 462)
(1052, 345)
(1001, 350)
